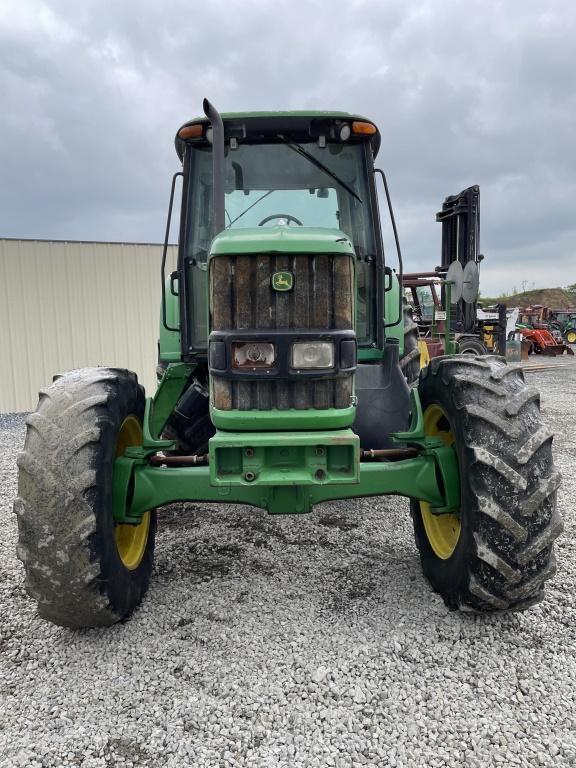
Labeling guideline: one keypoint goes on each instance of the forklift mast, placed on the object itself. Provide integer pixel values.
(460, 219)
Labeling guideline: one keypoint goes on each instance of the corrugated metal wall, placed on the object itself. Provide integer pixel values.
(65, 305)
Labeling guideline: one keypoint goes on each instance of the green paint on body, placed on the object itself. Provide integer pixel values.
(281, 239)
(284, 472)
(169, 350)
(392, 314)
(170, 390)
(289, 458)
(231, 116)
(154, 487)
(291, 418)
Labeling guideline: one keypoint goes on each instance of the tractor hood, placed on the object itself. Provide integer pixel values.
(281, 239)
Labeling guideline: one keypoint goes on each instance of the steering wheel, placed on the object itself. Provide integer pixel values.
(286, 216)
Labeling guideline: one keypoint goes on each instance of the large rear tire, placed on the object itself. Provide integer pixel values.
(495, 554)
(82, 569)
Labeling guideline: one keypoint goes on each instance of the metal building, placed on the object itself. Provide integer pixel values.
(65, 305)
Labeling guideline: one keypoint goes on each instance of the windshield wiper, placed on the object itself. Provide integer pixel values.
(250, 207)
(301, 151)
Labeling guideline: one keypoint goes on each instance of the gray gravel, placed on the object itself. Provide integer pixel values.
(310, 641)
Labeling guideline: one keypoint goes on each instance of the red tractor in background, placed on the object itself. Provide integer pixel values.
(534, 325)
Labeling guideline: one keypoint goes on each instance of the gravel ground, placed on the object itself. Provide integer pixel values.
(294, 642)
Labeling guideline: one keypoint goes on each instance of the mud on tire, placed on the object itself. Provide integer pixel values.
(508, 515)
(64, 505)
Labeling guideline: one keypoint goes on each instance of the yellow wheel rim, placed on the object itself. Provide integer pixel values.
(131, 540)
(442, 531)
(571, 337)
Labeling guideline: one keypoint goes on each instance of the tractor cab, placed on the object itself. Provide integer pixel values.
(286, 176)
(284, 304)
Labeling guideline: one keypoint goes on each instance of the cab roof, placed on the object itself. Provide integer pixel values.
(258, 125)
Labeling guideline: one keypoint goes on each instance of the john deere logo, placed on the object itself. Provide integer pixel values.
(282, 281)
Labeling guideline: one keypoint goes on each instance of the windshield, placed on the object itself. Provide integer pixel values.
(270, 184)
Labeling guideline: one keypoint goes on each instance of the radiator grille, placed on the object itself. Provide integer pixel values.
(241, 297)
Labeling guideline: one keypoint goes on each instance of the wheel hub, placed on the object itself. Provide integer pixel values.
(131, 540)
(443, 531)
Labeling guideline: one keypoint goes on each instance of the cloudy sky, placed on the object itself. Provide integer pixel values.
(464, 92)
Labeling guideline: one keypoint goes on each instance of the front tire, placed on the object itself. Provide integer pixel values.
(496, 553)
(82, 569)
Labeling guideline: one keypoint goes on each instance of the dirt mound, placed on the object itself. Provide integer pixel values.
(555, 298)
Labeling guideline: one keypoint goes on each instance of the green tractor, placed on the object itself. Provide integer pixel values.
(564, 323)
(289, 376)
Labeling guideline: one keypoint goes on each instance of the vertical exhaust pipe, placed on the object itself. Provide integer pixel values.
(217, 165)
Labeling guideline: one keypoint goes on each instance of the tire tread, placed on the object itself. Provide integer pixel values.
(58, 474)
(513, 482)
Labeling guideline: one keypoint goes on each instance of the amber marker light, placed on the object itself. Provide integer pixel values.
(367, 129)
(191, 131)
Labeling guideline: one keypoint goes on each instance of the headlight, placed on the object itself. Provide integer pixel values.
(253, 354)
(312, 354)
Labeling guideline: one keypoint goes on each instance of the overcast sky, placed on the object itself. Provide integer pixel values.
(464, 92)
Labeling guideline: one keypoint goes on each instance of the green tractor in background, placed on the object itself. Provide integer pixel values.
(564, 323)
(289, 376)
